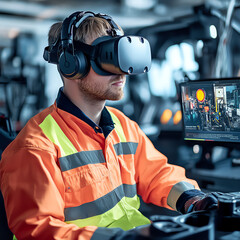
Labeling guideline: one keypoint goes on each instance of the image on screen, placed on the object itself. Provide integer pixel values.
(211, 110)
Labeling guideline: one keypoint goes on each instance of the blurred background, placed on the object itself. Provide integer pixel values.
(189, 40)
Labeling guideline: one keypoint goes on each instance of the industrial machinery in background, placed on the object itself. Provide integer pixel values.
(22, 80)
(204, 44)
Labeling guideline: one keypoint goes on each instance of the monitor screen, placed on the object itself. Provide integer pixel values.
(211, 110)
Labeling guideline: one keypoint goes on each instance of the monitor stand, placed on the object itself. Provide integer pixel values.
(216, 173)
(212, 155)
(206, 161)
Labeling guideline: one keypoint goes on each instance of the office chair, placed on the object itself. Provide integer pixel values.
(5, 233)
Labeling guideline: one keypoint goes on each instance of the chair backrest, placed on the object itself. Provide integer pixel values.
(5, 232)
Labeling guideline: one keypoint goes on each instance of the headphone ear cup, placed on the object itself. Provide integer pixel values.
(83, 64)
(73, 66)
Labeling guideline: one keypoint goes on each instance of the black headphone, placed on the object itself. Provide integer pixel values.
(73, 62)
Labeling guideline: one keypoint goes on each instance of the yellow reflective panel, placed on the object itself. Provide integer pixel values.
(52, 130)
(124, 215)
(118, 127)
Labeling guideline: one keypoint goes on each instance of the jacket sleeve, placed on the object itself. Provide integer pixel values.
(33, 192)
(159, 182)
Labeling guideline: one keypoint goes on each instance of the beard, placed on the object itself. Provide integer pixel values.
(99, 92)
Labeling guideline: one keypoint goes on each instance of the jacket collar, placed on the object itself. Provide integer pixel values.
(106, 123)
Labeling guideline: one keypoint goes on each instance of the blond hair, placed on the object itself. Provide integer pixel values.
(90, 29)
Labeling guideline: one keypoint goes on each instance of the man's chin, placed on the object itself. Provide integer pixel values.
(116, 97)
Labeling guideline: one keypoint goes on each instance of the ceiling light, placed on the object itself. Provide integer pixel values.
(140, 4)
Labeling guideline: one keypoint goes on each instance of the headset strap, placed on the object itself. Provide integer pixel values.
(82, 16)
(89, 50)
(115, 31)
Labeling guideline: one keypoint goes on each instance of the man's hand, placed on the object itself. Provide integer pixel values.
(202, 202)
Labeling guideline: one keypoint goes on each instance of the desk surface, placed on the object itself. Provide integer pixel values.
(224, 177)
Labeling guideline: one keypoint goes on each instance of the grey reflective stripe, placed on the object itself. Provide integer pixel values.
(80, 159)
(104, 233)
(100, 205)
(124, 148)
(176, 192)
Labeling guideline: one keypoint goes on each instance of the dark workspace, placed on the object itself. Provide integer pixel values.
(119, 120)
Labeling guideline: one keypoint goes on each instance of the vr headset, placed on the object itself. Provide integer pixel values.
(108, 55)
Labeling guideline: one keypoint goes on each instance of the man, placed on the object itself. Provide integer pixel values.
(75, 169)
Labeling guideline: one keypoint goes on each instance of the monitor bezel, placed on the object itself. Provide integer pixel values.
(206, 143)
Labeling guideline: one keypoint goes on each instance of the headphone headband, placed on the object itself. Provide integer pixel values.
(67, 27)
(75, 19)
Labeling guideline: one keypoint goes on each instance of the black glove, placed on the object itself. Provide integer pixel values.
(207, 201)
(195, 200)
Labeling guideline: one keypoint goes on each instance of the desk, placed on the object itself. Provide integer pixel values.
(224, 178)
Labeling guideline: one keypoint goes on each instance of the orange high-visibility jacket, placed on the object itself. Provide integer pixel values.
(62, 178)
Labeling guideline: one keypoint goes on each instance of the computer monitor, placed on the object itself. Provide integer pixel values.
(211, 112)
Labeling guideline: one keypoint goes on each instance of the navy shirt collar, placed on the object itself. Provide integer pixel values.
(106, 124)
